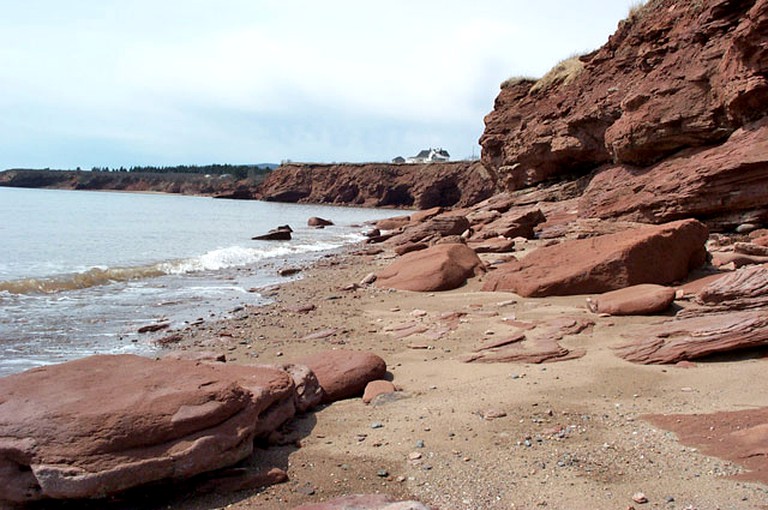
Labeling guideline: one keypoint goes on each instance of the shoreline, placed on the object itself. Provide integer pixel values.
(504, 435)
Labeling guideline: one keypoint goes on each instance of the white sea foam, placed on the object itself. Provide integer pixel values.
(238, 256)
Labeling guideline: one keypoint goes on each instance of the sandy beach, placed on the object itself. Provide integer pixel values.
(458, 435)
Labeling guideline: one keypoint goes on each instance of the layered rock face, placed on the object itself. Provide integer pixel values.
(380, 184)
(675, 76)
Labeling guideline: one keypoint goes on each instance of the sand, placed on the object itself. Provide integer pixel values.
(564, 435)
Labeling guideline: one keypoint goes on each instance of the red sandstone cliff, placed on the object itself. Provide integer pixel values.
(667, 116)
(420, 186)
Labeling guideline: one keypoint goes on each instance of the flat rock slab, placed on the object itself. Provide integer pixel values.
(364, 502)
(540, 345)
(103, 424)
(441, 267)
(343, 373)
(697, 337)
(655, 254)
(737, 436)
(644, 299)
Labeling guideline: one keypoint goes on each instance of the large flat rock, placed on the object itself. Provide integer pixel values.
(697, 337)
(654, 254)
(99, 425)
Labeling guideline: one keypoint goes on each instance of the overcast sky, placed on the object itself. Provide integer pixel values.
(134, 82)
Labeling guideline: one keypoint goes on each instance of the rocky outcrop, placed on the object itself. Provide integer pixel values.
(726, 185)
(441, 267)
(652, 254)
(674, 77)
(182, 183)
(99, 425)
(419, 186)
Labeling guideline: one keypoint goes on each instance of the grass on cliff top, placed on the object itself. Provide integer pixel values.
(563, 73)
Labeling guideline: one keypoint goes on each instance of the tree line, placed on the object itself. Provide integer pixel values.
(236, 171)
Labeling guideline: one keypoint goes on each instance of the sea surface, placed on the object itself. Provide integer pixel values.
(82, 271)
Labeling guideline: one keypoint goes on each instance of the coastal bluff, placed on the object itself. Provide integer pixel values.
(417, 186)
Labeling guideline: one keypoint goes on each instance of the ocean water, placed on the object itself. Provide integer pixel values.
(81, 271)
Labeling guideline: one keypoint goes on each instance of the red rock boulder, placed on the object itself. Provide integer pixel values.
(441, 267)
(343, 373)
(644, 299)
(97, 426)
(654, 254)
(696, 337)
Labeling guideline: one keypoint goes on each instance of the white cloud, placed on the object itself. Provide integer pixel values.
(236, 77)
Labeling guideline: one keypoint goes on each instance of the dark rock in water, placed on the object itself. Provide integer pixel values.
(282, 233)
(314, 221)
(288, 271)
(100, 425)
(151, 328)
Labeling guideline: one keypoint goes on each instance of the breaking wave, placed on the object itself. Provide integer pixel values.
(214, 260)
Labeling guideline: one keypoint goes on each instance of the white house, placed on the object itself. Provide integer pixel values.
(430, 156)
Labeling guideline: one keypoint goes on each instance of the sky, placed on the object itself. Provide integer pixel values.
(165, 82)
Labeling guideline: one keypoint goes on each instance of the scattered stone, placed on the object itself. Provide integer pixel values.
(288, 271)
(492, 414)
(375, 388)
(539, 346)
(344, 374)
(639, 498)
(377, 425)
(319, 335)
(302, 308)
(368, 279)
(644, 299)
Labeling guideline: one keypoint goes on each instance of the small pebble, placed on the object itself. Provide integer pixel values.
(639, 498)
(414, 456)
(419, 444)
(377, 425)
